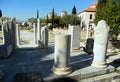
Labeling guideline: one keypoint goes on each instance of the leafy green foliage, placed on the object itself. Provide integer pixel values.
(108, 10)
(70, 19)
(58, 21)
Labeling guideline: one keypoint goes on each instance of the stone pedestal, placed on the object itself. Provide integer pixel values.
(62, 55)
(44, 37)
(100, 44)
(74, 31)
(17, 35)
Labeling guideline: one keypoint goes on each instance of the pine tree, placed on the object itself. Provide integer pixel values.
(74, 10)
(0, 13)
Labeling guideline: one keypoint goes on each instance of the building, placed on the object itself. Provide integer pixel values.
(63, 13)
(87, 16)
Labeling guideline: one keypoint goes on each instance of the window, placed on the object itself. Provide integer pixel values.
(90, 16)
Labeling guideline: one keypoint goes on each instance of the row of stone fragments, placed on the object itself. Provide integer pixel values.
(62, 51)
(8, 28)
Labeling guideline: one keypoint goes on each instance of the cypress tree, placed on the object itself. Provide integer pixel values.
(74, 10)
(0, 13)
(53, 14)
(37, 14)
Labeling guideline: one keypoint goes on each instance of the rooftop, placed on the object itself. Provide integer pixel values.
(91, 8)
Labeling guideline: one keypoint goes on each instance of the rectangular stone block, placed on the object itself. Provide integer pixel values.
(91, 71)
(5, 50)
(74, 31)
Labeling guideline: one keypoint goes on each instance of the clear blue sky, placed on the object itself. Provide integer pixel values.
(23, 9)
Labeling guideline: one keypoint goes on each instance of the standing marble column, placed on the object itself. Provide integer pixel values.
(13, 22)
(34, 31)
(62, 55)
(44, 36)
(17, 35)
(100, 44)
(12, 33)
(38, 30)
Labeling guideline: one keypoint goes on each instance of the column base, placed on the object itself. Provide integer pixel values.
(99, 65)
(61, 71)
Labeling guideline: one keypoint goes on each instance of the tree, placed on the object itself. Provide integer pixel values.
(70, 19)
(101, 3)
(53, 14)
(74, 10)
(47, 19)
(37, 14)
(109, 11)
(0, 13)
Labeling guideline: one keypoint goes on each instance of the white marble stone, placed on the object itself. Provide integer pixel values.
(17, 35)
(38, 30)
(44, 36)
(74, 31)
(100, 44)
(35, 36)
(62, 55)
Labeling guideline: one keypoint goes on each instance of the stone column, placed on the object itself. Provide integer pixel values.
(62, 55)
(38, 30)
(34, 31)
(74, 31)
(44, 37)
(12, 33)
(100, 44)
(13, 22)
(6, 32)
(17, 35)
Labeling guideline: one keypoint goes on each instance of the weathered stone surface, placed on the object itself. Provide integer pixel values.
(62, 55)
(6, 32)
(35, 35)
(6, 48)
(100, 44)
(74, 31)
(13, 32)
(38, 30)
(17, 35)
(44, 36)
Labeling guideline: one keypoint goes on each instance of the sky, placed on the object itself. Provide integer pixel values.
(24, 9)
